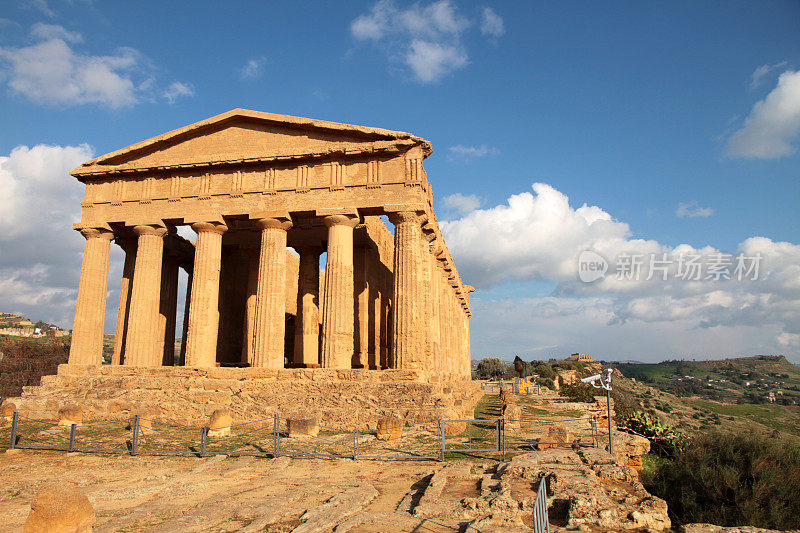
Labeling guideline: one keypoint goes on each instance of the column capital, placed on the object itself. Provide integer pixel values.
(151, 229)
(97, 233)
(213, 227)
(407, 216)
(344, 219)
(280, 222)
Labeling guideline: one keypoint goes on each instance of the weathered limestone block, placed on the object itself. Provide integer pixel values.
(60, 509)
(512, 414)
(389, 428)
(629, 449)
(303, 428)
(556, 435)
(7, 411)
(711, 528)
(70, 415)
(220, 424)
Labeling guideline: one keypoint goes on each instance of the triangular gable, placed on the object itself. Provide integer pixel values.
(243, 135)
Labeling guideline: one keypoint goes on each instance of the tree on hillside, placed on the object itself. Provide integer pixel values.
(490, 368)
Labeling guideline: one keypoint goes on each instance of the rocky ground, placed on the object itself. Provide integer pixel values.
(588, 492)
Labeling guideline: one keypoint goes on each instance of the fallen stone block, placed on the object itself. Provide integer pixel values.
(389, 428)
(220, 424)
(60, 509)
(70, 415)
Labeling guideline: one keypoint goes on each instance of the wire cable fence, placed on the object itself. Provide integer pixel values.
(270, 437)
(528, 434)
(276, 436)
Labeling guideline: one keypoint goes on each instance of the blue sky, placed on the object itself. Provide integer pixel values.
(648, 112)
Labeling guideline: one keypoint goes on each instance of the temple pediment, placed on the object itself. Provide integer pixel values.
(250, 136)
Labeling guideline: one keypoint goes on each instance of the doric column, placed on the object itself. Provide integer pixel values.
(90, 309)
(408, 342)
(426, 272)
(467, 349)
(306, 327)
(436, 347)
(168, 306)
(442, 322)
(250, 302)
(269, 328)
(142, 343)
(201, 347)
(337, 318)
(452, 360)
(361, 271)
(374, 323)
(188, 266)
(129, 247)
(387, 288)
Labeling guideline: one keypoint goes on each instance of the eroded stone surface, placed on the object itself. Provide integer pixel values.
(225, 494)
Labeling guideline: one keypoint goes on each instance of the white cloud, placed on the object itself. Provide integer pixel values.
(761, 72)
(492, 23)
(692, 210)
(431, 61)
(375, 24)
(54, 31)
(460, 151)
(533, 236)
(461, 204)
(773, 123)
(39, 5)
(40, 256)
(430, 37)
(51, 72)
(177, 90)
(538, 237)
(253, 68)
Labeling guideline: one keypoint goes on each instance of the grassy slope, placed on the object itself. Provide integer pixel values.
(696, 403)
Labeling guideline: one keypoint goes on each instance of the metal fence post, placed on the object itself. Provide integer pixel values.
(135, 437)
(441, 441)
(355, 445)
(14, 423)
(499, 437)
(608, 407)
(72, 430)
(276, 435)
(203, 436)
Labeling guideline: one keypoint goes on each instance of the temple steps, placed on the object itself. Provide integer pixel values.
(345, 399)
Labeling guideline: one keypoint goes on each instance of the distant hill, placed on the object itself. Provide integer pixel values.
(729, 394)
(757, 379)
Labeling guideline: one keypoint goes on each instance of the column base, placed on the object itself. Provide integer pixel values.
(302, 365)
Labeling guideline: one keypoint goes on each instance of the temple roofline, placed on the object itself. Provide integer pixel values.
(95, 166)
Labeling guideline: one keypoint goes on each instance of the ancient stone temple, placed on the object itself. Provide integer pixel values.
(266, 196)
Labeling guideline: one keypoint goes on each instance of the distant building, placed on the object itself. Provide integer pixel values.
(19, 326)
(27, 331)
(583, 357)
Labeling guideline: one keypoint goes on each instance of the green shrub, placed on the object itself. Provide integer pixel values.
(580, 392)
(547, 382)
(491, 368)
(732, 479)
(543, 370)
